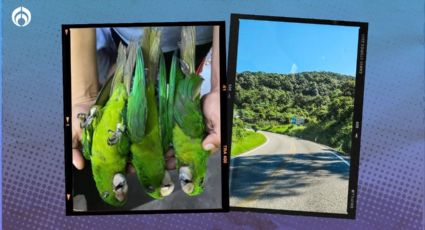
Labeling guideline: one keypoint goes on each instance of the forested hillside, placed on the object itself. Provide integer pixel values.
(322, 101)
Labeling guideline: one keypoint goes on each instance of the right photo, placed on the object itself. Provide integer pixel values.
(298, 88)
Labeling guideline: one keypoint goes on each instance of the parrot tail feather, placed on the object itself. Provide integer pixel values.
(187, 47)
(119, 72)
(129, 65)
(151, 40)
(170, 95)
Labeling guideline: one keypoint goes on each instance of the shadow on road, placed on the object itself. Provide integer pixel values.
(282, 174)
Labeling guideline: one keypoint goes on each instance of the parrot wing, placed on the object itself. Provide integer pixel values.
(170, 98)
(187, 112)
(137, 104)
(103, 95)
(162, 102)
(86, 142)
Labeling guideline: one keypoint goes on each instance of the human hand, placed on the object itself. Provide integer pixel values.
(80, 107)
(211, 109)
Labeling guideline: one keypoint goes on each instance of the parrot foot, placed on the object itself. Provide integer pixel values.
(116, 135)
(83, 118)
(185, 176)
(120, 187)
(86, 119)
(167, 186)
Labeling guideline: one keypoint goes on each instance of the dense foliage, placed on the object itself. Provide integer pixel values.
(323, 100)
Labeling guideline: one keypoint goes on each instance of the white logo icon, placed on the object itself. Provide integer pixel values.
(21, 16)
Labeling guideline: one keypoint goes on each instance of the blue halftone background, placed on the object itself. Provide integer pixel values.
(391, 177)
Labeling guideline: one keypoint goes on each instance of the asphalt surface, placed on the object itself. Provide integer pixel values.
(288, 173)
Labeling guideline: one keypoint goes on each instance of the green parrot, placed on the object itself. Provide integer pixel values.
(147, 148)
(104, 139)
(189, 130)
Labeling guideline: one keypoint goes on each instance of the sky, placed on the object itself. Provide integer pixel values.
(287, 47)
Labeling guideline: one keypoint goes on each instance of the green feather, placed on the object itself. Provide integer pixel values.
(162, 96)
(189, 152)
(187, 106)
(137, 105)
(86, 142)
(170, 98)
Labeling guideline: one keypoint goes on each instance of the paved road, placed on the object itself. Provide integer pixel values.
(288, 173)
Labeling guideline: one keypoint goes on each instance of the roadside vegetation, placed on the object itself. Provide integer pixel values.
(244, 140)
(316, 106)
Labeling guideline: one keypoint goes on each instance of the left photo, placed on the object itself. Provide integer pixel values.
(143, 118)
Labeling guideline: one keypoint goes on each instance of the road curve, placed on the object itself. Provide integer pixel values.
(288, 173)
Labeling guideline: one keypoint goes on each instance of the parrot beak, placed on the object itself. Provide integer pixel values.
(167, 186)
(120, 187)
(185, 177)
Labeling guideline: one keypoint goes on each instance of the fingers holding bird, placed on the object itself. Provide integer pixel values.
(211, 110)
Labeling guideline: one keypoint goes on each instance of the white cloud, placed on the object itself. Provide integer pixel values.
(294, 68)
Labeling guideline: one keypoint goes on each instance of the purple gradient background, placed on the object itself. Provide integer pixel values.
(391, 177)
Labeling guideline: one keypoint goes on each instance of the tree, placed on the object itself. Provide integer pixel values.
(324, 99)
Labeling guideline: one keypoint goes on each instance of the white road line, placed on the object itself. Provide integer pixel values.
(330, 151)
(342, 159)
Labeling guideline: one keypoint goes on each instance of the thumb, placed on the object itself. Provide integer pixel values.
(77, 159)
(211, 142)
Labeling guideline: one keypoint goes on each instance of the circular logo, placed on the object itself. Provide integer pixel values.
(21, 16)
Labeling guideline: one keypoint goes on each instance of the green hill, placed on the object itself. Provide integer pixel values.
(322, 101)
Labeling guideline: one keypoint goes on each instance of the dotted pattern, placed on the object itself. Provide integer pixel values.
(391, 176)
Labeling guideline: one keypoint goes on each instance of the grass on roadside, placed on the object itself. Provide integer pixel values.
(250, 141)
(285, 129)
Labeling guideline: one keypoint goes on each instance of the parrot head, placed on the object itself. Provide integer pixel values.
(112, 187)
(158, 191)
(192, 181)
